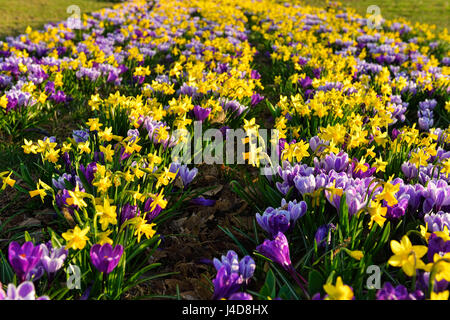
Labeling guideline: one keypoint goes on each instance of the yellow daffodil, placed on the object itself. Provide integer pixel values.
(76, 238)
(339, 291)
(407, 256)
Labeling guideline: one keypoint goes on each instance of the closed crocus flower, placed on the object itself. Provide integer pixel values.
(24, 258)
(322, 234)
(105, 258)
(201, 201)
(226, 283)
(80, 135)
(274, 221)
(277, 250)
(128, 212)
(230, 261)
(437, 221)
(409, 170)
(256, 98)
(247, 267)
(305, 184)
(296, 210)
(201, 113)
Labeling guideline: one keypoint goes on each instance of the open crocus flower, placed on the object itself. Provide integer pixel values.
(25, 291)
(105, 258)
(24, 258)
(52, 258)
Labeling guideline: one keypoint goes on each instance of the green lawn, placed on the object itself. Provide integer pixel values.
(16, 15)
(425, 11)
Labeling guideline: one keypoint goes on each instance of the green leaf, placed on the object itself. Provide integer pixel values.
(6, 272)
(343, 210)
(27, 236)
(315, 282)
(268, 289)
(285, 293)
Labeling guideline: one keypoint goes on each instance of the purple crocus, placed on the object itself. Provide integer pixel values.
(437, 221)
(151, 214)
(201, 113)
(128, 212)
(306, 184)
(80, 135)
(305, 82)
(283, 218)
(437, 245)
(388, 292)
(105, 258)
(256, 98)
(226, 283)
(52, 259)
(277, 250)
(245, 267)
(255, 75)
(24, 258)
(241, 296)
(89, 171)
(203, 201)
(322, 234)
(187, 175)
(409, 170)
(25, 291)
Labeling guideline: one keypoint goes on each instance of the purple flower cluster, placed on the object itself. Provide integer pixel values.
(232, 275)
(29, 261)
(281, 219)
(389, 292)
(425, 114)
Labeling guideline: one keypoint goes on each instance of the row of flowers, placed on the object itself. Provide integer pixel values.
(141, 70)
(362, 117)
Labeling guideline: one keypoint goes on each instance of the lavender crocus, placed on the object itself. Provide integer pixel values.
(283, 218)
(25, 291)
(80, 135)
(305, 184)
(437, 221)
(105, 258)
(187, 175)
(24, 258)
(245, 267)
(52, 259)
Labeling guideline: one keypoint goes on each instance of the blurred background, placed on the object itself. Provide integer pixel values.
(16, 15)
